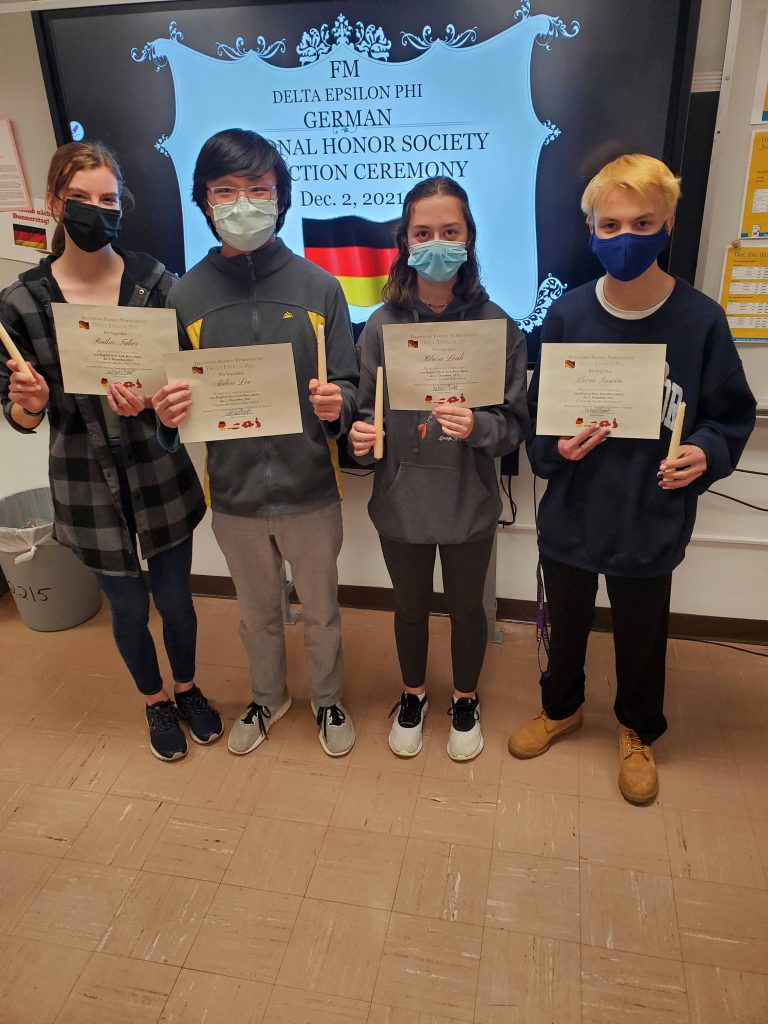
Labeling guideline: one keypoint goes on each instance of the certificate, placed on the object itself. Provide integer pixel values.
(101, 345)
(460, 362)
(245, 391)
(616, 386)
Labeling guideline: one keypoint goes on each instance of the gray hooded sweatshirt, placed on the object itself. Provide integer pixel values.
(430, 488)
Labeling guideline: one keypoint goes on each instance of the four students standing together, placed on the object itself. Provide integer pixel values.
(616, 507)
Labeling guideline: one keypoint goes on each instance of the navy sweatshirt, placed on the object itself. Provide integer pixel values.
(607, 513)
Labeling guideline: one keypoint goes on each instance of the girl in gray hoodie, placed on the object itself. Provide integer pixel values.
(436, 486)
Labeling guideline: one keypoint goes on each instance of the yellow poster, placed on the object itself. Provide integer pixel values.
(744, 291)
(754, 215)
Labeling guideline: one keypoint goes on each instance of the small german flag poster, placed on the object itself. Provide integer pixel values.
(26, 234)
(357, 251)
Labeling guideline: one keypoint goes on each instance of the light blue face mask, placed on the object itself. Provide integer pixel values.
(437, 261)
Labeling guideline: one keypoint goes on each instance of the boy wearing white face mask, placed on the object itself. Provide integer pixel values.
(273, 498)
(619, 506)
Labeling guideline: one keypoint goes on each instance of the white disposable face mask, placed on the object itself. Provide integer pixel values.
(245, 225)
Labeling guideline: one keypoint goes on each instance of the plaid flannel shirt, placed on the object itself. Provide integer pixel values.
(165, 490)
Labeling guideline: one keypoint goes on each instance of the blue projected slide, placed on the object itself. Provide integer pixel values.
(358, 131)
(521, 101)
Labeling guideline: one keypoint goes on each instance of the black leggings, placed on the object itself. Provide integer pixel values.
(640, 611)
(411, 567)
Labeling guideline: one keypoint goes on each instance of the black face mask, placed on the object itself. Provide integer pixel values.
(90, 227)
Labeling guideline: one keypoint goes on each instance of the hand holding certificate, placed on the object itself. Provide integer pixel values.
(103, 345)
(462, 363)
(610, 387)
(245, 391)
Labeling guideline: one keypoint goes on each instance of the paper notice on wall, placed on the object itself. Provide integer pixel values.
(13, 186)
(754, 207)
(760, 100)
(744, 291)
(26, 234)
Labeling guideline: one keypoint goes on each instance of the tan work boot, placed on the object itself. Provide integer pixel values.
(638, 780)
(537, 736)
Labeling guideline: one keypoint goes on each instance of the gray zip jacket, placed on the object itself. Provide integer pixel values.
(267, 297)
(429, 488)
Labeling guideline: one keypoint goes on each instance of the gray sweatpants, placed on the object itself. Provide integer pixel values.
(254, 550)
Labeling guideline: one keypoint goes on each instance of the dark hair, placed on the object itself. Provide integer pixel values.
(238, 151)
(66, 162)
(400, 290)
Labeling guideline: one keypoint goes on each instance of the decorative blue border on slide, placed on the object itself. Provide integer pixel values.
(516, 134)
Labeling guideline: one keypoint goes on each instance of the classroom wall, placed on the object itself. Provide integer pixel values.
(725, 569)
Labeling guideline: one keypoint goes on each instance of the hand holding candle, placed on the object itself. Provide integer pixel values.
(13, 352)
(684, 462)
(322, 369)
(378, 415)
(677, 432)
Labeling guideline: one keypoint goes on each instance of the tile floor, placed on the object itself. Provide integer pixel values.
(288, 888)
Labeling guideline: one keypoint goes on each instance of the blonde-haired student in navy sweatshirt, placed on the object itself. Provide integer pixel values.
(617, 506)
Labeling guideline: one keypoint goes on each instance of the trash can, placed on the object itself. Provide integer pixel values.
(51, 587)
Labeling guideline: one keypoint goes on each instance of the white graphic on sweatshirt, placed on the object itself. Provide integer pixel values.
(673, 396)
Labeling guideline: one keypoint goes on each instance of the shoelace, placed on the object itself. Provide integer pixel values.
(259, 711)
(194, 701)
(333, 712)
(162, 716)
(410, 710)
(464, 713)
(635, 744)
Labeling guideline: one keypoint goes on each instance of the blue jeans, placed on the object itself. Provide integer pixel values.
(128, 598)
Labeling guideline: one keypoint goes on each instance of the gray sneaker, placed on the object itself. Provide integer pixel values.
(252, 727)
(337, 734)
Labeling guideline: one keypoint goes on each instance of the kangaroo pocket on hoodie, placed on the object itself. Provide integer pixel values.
(435, 505)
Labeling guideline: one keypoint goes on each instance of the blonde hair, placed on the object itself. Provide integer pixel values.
(635, 171)
(66, 162)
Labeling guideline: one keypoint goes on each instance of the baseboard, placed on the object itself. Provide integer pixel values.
(681, 624)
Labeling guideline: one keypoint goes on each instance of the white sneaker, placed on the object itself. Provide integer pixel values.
(465, 740)
(337, 734)
(405, 734)
(252, 727)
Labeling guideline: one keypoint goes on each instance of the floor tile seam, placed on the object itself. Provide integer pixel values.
(302, 899)
(74, 985)
(570, 942)
(128, 892)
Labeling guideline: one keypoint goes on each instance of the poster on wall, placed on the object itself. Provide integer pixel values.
(760, 101)
(26, 234)
(754, 207)
(744, 291)
(13, 185)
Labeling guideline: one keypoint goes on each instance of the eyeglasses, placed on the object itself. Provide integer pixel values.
(254, 193)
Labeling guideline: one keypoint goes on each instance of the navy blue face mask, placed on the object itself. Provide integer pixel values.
(627, 256)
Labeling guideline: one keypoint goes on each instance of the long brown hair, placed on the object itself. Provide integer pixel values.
(401, 290)
(66, 162)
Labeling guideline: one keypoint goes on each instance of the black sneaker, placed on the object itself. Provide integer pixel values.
(204, 721)
(405, 734)
(166, 740)
(465, 739)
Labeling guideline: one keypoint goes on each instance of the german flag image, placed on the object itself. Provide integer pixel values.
(358, 252)
(30, 236)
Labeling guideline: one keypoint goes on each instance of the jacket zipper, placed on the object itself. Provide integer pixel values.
(255, 338)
